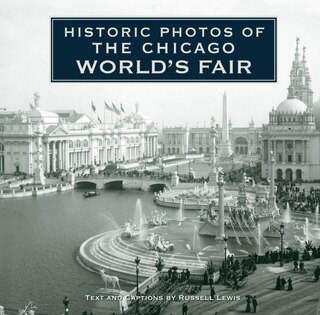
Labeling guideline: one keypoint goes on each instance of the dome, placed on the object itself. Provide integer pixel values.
(292, 105)
(38, 114)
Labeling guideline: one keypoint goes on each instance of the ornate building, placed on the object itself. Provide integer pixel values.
(293, 132)
(239, 140)
(53, 140)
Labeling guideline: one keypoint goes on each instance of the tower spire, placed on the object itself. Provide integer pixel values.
(304, 55)
(297, 54)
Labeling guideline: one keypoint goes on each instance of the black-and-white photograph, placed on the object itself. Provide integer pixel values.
(158, 195)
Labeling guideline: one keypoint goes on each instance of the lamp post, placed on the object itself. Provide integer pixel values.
(66, 302)
(281, 245)
(225, 239)
(137, 261)
(177, 169)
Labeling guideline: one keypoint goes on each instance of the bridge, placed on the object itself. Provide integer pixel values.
(141, 181)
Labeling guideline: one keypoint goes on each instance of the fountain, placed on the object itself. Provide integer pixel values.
(287, 214)
(306, 229)
(259, 239)
(205, 188)
(196, 241)
(140, 221)
(180, 213)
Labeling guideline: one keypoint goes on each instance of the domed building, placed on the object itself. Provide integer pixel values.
(293, 133)
(62, 139)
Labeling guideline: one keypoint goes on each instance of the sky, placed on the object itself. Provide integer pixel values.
(25, 60)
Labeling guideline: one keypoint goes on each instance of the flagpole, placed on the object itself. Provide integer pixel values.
(104, 116)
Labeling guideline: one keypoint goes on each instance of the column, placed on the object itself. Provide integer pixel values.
(294, 151)
(220, 183)
(54, 158)
(66, 155)
(303, 155)
(48, 157)
(59, 155)
(283, 152)
(275, 149)
(62, 155)
(272, 198)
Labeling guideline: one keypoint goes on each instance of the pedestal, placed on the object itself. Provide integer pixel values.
(39, 176)
(273, 205)
(110, 301)
(213, 178)
(225, 150)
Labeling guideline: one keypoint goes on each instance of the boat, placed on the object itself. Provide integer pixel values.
(91, 194)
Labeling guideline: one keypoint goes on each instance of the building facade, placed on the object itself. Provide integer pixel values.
(293, 131)
(240, 141)
(60, 140)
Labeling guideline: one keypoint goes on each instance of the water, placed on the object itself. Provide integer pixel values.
(287, 214)
(259, 239)
(180, 212)
(317, 216)
(140, 221)
(307, 230)
(39, 239)
(196, 248)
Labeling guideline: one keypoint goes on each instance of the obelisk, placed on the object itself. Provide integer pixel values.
(225, 147)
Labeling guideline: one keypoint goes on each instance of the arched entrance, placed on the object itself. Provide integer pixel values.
(298, 175)
(289, 174)
(279, 174)
(241, 145)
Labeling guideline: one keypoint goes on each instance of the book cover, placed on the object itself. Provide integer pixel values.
(159, 157)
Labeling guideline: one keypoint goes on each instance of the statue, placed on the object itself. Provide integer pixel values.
(1, 310)
(156, 242)
(128, 230)
(109, 279)
(36, 97)
(28, 309)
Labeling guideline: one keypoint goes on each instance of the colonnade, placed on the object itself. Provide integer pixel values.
(151, 145)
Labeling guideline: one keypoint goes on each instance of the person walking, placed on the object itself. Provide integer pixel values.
(184, 309)
(248, 308)
(301, 266)
(290, 287)
(283, 283)
(317, 274)
(212, 293)
(278, 285)
(254, 303)
(235, 284)
(295, 265)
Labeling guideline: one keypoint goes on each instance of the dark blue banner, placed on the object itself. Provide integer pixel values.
(163, 49)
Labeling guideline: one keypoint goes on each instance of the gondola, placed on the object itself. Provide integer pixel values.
(91, 194)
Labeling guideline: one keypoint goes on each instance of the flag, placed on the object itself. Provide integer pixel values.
(116, 110)
(100, 121)
(31, 106)
(93, 107)
(121, 107)
(108, 107)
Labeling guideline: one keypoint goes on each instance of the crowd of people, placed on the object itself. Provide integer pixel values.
(297, 197)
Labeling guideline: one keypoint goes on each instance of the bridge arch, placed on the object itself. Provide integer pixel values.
(114, 184)
(86, 184)
(157, 187)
